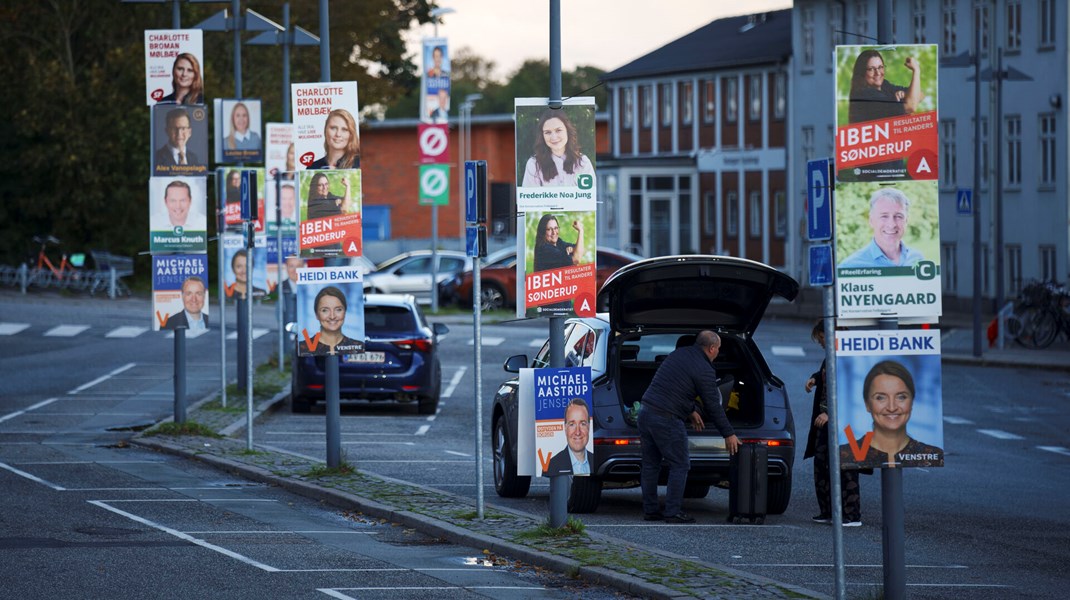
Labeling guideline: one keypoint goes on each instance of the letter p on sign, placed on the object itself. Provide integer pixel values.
(819, 200)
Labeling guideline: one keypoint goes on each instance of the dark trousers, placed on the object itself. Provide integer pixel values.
(663, 437)
(850, 493)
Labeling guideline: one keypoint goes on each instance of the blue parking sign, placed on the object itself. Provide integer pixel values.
(821, 265)
(818, 200)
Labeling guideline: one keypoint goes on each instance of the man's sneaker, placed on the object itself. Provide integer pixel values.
(821, 519)
(852, 523)
(657, 516)
(680, 518)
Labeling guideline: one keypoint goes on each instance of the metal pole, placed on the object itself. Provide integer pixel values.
(220, 259)
(176, 15)
(977, 193)
(180, 375)
(251, 232)
(334, 413)
(235, 7)
(281, 262)
(434, 224)
(829, 310)
(325, 41)
(477, 326)
(893, 527)
(286, 64)
(997, 183)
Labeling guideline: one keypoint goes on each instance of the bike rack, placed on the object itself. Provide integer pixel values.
(1006, 311)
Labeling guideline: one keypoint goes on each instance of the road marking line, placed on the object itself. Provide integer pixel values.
(35, 478)
(1055, 449)
(335, 593)
(787, 351)
(957, 421)
(454, 381)
(829, 566)
(126, 331)
(13, 328)
(455, 453)
(189, 334)
(102, 378)
(489, 340)
(1000, 435)
(27, 409)
(188, 538)
(422, 430)
(257, 333)
(66, 330)
(273, 532)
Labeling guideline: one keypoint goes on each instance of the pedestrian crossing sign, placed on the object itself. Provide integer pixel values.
(964, 201)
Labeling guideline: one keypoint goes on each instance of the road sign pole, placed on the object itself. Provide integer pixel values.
(180, 375)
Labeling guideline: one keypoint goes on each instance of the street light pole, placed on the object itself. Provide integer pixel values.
(436, 17)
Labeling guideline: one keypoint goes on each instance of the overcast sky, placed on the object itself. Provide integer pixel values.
(601, 33)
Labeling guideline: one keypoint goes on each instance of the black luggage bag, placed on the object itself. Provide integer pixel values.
(748, 475)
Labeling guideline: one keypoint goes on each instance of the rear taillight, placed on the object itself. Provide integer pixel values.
(770, 443)
(417, 344)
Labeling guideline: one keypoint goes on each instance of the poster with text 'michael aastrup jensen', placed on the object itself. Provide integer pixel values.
(180, 292)
(555, 419)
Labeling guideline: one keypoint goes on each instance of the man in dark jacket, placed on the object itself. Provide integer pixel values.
(685, 374)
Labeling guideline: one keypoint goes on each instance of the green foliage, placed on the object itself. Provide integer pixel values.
(895, 71)
(573, 527)
(567, 233)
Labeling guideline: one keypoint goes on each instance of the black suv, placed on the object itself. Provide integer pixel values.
(656, 305)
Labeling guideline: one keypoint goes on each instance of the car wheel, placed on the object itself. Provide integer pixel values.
(585, 495)
(493, 296)
(300, 404)
(428, 405)
(694, 490)
(779, 494)
(506, 482)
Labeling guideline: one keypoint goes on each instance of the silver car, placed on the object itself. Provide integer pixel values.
(410, 273)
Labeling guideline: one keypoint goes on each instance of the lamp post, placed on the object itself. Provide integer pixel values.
(436, 17)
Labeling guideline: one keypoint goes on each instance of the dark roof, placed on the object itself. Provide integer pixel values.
(721, 44)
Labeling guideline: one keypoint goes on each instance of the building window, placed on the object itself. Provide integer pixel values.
(709, 101)
(948, 169)
(683, 230)
(666, 105)
(808, 143)
(1047, 263)
(1047, 24)
(862, 17)
(1047, 149)
(755, 214)
(835, 26)
(1014, 150)
(919, 21)
(731, 211)
(780, 214)
(780, 94)
(949, 45)
(808, 37)
(948, 267)
(647, 106)
(608, 211)
(627, 108)
(687, 103)
(1014, 25)
(709, 206)
(755, 111)
(1014, 269)
(731, 107)
(980, 25)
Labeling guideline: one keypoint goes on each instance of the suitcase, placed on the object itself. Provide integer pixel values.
(748, 475)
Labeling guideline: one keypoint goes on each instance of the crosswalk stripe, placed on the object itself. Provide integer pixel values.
(1000, 435)
(537, 343)
(1055, 449)
(126, 331)
(190, 334)
(957, 421)
(66, 330)
(489, 340)
(12, 328)
(257, 333)
(788, 351)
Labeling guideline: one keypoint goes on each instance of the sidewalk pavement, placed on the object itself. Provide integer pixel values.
(597, 558)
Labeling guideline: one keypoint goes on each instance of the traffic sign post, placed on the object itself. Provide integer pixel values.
(821, 265)
(434, 185)
(819, 200)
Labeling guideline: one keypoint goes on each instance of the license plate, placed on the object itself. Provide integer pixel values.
(365, 357)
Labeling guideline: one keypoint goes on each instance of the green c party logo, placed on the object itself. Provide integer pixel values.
(585, 181)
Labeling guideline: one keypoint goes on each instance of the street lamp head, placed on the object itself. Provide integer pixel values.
(438, 12)
(473, 97)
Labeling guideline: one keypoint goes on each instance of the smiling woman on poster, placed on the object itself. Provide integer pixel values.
(557, 159)
(341, 142)
(330, 308)
(186, 82)
(322, 203)
(239, 265)
(240, 137)
(552, 252)
(888, 392)
(873, 97)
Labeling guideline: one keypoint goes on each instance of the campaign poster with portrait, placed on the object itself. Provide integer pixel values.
(435, 81)
(281, 195)
(889, 402)
(279, 156)
(229, 184)
(179, 140)
(557, 273)
(174, 60)
(325, 125)
(555, 413)
(237, 131)
(330, 213)
(180, 292)
(236, 276)
(330, 313)
(888, 250)
(886, 120)
(276, 270)
(178, 220)
(555, 155)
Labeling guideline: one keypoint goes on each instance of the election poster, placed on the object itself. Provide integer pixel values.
(888, 250)
(180, 292)
(888, 398)
(330, 213)
(178, 220)
(435, 82)
(330, 313)
(237, 131)
(279, 151)
(236, 275)
(276, 261)
(555, 417)
(173, 60)
(325, 125)
(886, 119)
(555, 154)
(179, 140)
(229, 182)
(558, 271)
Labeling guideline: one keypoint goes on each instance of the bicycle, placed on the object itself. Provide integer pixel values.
(1053, 319)
(1038, 314)
(63, 276)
